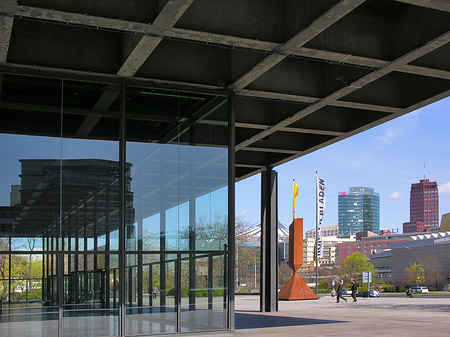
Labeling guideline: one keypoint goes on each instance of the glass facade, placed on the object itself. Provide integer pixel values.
(113, 209)
(359, 211)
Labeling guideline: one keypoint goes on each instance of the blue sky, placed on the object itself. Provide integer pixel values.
(387, 158)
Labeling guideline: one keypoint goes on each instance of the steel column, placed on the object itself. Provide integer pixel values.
(231, 207)
(269, 241)
(122, 193)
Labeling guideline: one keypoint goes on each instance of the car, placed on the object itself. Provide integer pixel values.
(365, 293)
(420, 290)
(346, 292)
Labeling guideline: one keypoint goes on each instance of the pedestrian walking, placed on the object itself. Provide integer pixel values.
(155, 292)
(339, 291)
(354, 289)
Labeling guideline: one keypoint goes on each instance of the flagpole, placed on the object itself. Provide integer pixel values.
(293, 202)
(317, 259)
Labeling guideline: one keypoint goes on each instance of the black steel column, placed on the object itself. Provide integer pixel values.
(96, 269)
(122, 193)
(140, 268)
(162, 233)
(86, 296)
(231, 209)
(107, 250)
(210, 282)
(269, 241)
(178, 288)
(150, 287)
(9, 270)
(192, 233)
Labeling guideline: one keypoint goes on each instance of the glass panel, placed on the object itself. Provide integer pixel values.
(25, 296)
(151, 294)
(90, 295)
(179, 190)
(29, 205)
(176, 199)
(90, 209)
(183, 183)
(203, 302)
(178, 181)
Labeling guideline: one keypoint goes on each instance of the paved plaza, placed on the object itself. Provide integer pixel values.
(384, 316)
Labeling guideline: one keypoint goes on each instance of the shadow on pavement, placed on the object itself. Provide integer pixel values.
(254, 321)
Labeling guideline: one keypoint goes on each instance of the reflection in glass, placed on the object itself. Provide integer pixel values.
(60, 206)
(28, 214)
(179, 196)
(151, 294)
(203, 290)
(91, 294)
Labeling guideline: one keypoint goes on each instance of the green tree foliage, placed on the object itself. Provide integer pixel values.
(353, 267)
(415, 274)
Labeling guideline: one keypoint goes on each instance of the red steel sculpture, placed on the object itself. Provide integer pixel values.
(296, 288)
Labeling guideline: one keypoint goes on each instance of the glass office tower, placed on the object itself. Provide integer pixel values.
(359, 211)
(113, 209)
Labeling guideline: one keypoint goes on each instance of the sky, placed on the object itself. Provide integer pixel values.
(388, 158)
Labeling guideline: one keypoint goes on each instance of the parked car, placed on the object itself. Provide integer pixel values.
(346, 292)
(365, 293)
(420, 290)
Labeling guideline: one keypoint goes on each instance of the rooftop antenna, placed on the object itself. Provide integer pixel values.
(424, 170)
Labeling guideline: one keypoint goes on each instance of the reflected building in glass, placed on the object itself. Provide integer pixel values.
(114, 222)
(359, 211)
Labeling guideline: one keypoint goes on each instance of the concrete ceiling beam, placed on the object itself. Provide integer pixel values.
(277, 96)
(367, 126)
(440, 5)
(363, 106)
(371, 77)
(6, 24)
(178, 129)
(153, 34)
(272, 150)
(436, 73)
(280, 53)
(167, 18)
(289, 129)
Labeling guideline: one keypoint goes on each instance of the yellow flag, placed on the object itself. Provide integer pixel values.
(295, 197)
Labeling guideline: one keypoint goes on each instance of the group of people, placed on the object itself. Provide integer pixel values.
(340, 290)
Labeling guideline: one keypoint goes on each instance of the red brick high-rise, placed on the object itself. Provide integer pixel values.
(424, 203)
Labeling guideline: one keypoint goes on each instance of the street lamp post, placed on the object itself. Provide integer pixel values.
(417, 262)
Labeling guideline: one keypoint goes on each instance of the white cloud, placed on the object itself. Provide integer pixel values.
(445, 189)
(387, 137)
(395, 195)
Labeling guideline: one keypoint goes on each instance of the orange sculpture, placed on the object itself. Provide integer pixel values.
(296, 288)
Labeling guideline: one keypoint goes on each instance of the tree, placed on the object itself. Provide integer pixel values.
(354, 265)
(4, 269)
(433, 270)
(247, 256)
(284, 273)
(415, 274)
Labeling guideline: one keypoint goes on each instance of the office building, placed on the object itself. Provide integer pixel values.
(359, 211)
(329, 249)
(331, 230)
(424, 203)
(413, 227)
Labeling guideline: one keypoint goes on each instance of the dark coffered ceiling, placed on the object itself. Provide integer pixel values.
(305, 73)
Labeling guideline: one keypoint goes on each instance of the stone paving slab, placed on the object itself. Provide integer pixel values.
(384, 316)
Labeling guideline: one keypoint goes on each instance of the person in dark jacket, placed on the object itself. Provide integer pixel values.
(339, 291)
(354, 289)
